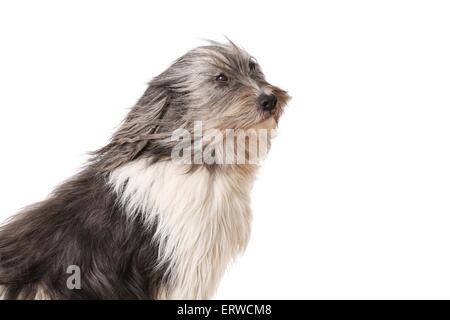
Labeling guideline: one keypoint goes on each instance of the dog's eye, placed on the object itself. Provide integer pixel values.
(222, 78)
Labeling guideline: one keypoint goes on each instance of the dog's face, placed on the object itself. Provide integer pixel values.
(219, 85)
(222, 86)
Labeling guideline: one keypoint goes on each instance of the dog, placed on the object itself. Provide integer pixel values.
(136, 224)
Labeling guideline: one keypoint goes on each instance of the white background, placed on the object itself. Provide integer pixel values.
(354, 199)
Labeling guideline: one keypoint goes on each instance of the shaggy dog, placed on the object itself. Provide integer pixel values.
(136, 224)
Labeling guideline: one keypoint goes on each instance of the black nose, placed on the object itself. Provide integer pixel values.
(267, 102)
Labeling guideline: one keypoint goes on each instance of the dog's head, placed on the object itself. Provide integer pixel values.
(219, 85)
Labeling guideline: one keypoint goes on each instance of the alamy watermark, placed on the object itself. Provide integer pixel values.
(214, 146)
(74, 280)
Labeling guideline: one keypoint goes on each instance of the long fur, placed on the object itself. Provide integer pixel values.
(137, 224)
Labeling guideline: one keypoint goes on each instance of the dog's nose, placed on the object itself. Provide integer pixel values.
(267, 102)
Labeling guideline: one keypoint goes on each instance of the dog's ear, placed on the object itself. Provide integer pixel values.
(137, 131)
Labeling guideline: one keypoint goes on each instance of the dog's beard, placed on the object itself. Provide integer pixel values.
(224, 146)
(268, 124)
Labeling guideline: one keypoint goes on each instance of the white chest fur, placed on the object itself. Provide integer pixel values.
(203, 219)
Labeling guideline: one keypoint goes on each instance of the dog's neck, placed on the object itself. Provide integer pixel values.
(203, 218)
